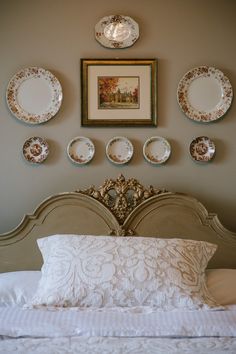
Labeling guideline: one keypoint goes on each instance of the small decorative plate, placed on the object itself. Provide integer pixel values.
(34, 95)
(35, 149)
(119, 150)
(156, 150)
(202, 149)
(80, 150)
(204, 94)
(116, 31)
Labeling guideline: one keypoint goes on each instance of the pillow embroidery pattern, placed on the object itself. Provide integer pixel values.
(100, 271)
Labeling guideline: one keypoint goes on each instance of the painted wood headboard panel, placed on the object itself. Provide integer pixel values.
(73, 213)
(119, 207)
(182, 216)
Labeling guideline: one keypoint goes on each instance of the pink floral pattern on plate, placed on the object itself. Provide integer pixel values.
(221, 107)
(202, 149)
(156, 150)
(35, 149)
(13, 89)
(119, 150)
(117, 31)
(80, 150)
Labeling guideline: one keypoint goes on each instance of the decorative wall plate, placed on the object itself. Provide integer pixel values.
(202, 149)
(156, 150)
(35, 149)
(119, 150)
(34, 95)
(81, 150)
(204, 94)
(116, 31)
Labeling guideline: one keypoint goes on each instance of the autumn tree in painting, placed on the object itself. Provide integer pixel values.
(107, 85)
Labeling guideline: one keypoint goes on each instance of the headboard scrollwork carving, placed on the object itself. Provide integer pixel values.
(121, 196)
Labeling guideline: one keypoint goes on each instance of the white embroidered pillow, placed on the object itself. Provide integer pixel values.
(105, 271)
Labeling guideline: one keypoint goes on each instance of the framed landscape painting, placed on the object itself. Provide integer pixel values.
(119, 92)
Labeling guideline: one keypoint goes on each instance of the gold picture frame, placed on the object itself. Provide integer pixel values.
(119, 92)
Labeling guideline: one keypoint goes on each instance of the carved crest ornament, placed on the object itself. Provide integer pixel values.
(121, 196)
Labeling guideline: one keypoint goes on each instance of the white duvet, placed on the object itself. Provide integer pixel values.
(114, 345)
(136, 330)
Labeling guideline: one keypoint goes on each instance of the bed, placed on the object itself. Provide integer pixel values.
(121, 268)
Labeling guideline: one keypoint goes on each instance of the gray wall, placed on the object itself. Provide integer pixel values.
(55, 34)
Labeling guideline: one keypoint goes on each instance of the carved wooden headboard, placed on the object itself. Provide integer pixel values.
(119, 207)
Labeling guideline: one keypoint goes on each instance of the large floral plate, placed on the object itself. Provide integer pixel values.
(81, 150)
(119, 150)
(116, 31)
(34, 95)
(156, 150)
(204, 94)
(35, 149)
(202, 149)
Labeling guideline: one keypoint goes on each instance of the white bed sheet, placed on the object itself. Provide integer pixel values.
(134, 330)
(15, 322)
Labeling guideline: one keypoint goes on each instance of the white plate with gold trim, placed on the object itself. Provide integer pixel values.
(204, 94)
(35, 149)
(119, 150)
(34, 95)
(117, 31)
(156, 150)
(80, 150)
(202, 149)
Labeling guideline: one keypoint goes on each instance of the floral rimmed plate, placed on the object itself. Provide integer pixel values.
(204, 94)
(116, 31)
(119, 150)
(34, 95)
(156, 150)
(81, 150)
(202, 149)
(35, 149)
